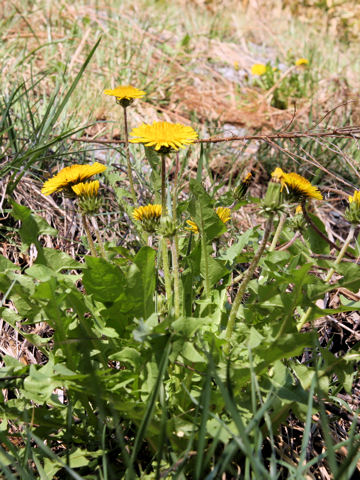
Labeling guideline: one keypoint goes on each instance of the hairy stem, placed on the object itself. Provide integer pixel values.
(163, 185)
(98, 237)
(166, 268)
(314, 227)
(175, 244)
(88, 235)
(242, 287)
(279, 228)
(127, 152)
(176, 275)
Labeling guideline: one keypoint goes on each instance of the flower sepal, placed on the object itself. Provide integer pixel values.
(168, 227)
(352, 213)
(89, 205)
(272, 203)
(124, 102)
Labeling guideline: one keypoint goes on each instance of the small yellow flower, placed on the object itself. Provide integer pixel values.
(302, 62)
(125, 91)
(192, 226)
(149, 216)
(298, 187)
(352, 213)
(88, 189)
(298, 210)
(258, 69)
(125, 94)
(69, 176)
(223, 213)
(236, 66)
(355, 198)
(164, 135)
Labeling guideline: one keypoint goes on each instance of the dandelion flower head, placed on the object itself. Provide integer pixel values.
(164, 136)
(302, 62)
(149, 216)
(147, 212)
(69, 176)
(124, 92)
(258, 69)
(192, 227)
(299, 187)
(88, 189)
(223, 213)
(355, 198)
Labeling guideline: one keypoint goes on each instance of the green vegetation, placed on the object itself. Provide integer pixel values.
(211, 332)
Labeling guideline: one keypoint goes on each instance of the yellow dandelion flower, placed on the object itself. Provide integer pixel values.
(192, 226)
(164, 135)
(258, 69)
(298, 210)
(149, 216)
(223, 213)
(299, 188)
(302, 62)
(352, 213)
(147, 212)
(86, 195)
(355, 198)
(69, 176)
(88, 189)
(126, 92)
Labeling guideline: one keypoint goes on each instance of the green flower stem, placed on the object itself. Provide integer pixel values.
(279, 228)
(318, 231)
(175, 244)
(88, 235)
(166, 268)
(98, 237)
(206, 262)
(175, 261)
(164, 250)
(242, 287)
(163, 185)
(175, 193)
(127, 151)
(330, 273)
